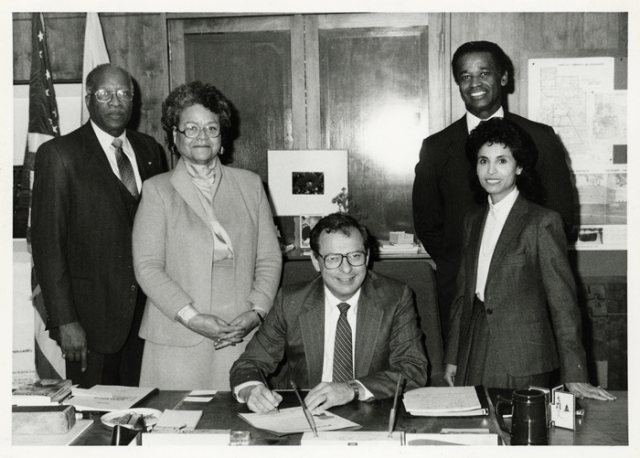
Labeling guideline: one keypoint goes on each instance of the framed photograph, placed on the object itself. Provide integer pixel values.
(304, 229)
(303, 182)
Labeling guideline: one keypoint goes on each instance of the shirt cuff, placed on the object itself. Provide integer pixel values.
(186, 313)
(239, 388)
(365, 394)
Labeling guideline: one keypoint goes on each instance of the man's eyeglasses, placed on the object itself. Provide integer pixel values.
(193, 130)
(334, 260)
(104, 96)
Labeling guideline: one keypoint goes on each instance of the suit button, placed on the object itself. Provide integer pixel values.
(489, 311)
(133, 287)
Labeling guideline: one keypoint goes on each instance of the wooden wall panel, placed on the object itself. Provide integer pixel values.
(253, 69)
(373, 104)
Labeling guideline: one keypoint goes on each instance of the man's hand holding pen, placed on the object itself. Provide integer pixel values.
(260, 399)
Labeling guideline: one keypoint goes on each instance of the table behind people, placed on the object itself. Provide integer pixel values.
(85, 195)
(204, 248)
(348, 334)
(441, 197)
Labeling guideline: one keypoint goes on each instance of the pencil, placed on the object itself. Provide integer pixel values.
(266, 384)
(392, 414)
(305, 409)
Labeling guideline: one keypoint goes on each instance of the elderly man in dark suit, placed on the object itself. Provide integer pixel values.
(348, 334)
(441, 196)
(85, 195)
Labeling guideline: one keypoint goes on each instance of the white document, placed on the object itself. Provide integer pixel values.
(178, 421)
(368, 438)
(107, 398)
(292, 420)
(442, 401)
(451, 439)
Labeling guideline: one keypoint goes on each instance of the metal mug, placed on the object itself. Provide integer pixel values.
(529, 419)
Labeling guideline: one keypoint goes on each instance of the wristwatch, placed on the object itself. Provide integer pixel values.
(355, 386)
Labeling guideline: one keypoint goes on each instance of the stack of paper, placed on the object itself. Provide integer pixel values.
(444, 402)
(173, 421)
(41, 392)
(385, 246)
(107, 398)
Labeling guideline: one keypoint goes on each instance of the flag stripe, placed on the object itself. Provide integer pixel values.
(43, 126)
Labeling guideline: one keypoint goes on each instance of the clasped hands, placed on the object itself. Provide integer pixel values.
(324, 396)
(222, 333)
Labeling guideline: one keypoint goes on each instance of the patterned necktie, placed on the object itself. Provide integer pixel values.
(125, 168)
(342, 353)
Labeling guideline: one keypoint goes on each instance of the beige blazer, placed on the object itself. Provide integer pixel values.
(173, 250)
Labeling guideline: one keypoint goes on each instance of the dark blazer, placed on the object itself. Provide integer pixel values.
(81, 235)
(530, 296)
(441, 193)
(387, 338)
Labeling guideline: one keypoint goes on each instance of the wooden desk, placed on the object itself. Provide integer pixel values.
(605, 423)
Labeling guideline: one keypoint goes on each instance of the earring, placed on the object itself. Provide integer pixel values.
(221, 150)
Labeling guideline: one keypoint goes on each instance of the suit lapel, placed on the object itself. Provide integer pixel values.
(456, 146)
(512, 227)
(143, 164)
(368, 322)
(98, 166)
(312, 329)
(477, 228)
(183, 185)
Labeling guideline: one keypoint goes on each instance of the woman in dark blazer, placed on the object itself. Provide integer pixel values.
(515, 318)
(205, 250)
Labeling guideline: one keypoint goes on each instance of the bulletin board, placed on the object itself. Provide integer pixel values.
(584, 99)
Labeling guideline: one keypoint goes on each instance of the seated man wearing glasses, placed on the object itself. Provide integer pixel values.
(349, 334)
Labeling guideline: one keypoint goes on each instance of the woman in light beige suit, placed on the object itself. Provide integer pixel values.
(205, 250)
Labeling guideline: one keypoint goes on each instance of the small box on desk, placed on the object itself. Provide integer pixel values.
(400, 237)
(42, 419)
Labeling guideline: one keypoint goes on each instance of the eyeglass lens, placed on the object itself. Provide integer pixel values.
(102, 95)
(334, 260)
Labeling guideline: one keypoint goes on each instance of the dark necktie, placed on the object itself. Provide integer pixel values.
(124, 167)
(342, 353)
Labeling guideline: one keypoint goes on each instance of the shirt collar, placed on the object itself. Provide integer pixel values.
(333, 301)
(501, 209)
(105, 139)
(473, 121)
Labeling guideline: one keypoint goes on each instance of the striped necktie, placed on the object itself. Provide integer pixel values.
(125, 168)
(342, 353)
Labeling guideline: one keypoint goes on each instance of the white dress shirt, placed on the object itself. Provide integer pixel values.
(331, 315)
(473, 121)
(105, 141)
(496, 218)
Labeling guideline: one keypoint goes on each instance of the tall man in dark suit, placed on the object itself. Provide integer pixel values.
(85, 195)
(441, 195)
(348, 334)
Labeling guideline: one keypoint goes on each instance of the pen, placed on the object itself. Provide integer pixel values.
(306, 411)
(266, 384)
(392, 414)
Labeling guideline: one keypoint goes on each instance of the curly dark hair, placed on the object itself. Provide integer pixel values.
(337, 222)
(499, 57)
(522, 147)
(194, 93)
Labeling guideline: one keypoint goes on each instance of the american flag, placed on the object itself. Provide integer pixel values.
(43, 126)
